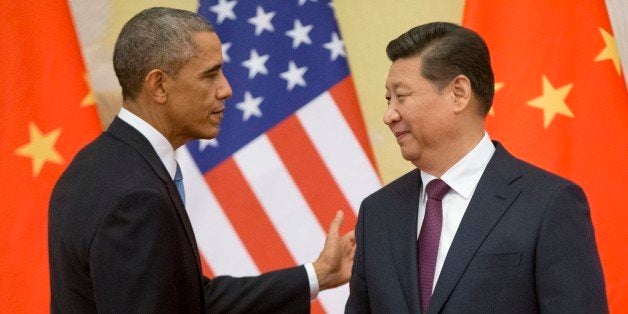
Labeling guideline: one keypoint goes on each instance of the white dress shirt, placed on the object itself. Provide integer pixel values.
(166, 154)
(155, 138)
(462, 177)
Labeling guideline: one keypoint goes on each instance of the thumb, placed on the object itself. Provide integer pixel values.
(334, 227)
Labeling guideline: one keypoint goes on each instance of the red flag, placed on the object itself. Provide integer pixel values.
(47, 115)
(561, 103)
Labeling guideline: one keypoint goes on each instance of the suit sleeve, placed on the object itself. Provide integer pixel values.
(358, 301)
(282, 291)
(568, 272)
(131, 256)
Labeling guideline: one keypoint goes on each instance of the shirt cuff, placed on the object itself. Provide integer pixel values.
(312, 279)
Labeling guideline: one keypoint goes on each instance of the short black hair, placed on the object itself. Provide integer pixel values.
(446, 51)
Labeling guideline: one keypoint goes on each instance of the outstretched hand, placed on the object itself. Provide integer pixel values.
(333, 266)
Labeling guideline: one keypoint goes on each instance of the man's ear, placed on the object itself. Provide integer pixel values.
(462, 92)
(155, 85)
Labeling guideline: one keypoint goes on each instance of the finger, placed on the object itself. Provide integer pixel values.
(348, 240)
(352, 253)
(334, 227)
(349, 237)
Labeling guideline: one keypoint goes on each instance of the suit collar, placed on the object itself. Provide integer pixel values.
(403, 234)
(135, 139)
(158, 141)
(494, 194)
(126, 133)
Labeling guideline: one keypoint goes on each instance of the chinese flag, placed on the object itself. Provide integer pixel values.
(47, 115)
(561, 103)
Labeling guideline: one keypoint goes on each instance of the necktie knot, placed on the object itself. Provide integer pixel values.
(436, 189)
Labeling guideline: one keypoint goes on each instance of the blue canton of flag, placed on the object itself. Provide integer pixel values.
(278, 56)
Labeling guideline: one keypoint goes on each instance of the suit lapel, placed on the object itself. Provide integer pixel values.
(403, 235)
(493, 195)
(135, 139)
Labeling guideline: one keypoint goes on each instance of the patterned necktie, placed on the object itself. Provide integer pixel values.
(178, 180)
(429, 238)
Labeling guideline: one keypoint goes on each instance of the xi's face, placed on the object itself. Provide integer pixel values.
(196, 97)
(418, 114)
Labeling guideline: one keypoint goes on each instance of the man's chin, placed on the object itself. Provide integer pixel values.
(210, 135)
(409, 156)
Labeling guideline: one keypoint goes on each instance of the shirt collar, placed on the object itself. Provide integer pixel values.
(155, 138)
(464, 176)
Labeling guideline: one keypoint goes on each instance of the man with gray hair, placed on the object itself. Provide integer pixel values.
(120, 239)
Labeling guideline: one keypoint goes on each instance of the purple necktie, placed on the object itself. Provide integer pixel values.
(429, 238)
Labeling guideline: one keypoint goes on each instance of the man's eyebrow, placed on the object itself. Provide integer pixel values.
(213, 69)
(394, 85)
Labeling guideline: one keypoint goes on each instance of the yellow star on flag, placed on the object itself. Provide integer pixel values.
(41, 148)
(552, 102)
(89, 98)
(610, 51)
(498, 86)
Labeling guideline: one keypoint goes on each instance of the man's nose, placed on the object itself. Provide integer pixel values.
(391, 115)
(225, 90)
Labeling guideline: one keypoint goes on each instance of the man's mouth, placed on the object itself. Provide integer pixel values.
(399, 134)
(219, 110)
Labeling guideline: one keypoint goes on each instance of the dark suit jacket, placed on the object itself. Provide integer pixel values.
(525, 245)
(120, 241)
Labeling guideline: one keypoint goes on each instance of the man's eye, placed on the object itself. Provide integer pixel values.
(211, 74)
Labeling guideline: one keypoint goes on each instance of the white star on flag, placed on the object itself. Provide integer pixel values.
(250, 106)
(202, 144)
(299, 34)
(302, 2)
(335, 46)
(262, 21)
(224, 10)
(225, 55)
(294, 75)
(256, 64)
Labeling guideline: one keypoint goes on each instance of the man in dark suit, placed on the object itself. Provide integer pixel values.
(120, 238)
(473, 229)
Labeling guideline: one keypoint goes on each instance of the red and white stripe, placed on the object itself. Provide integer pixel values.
(269, 205)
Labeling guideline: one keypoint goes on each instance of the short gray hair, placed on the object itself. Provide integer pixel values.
(156, 38)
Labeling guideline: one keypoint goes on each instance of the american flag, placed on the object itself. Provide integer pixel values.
(292, 149)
